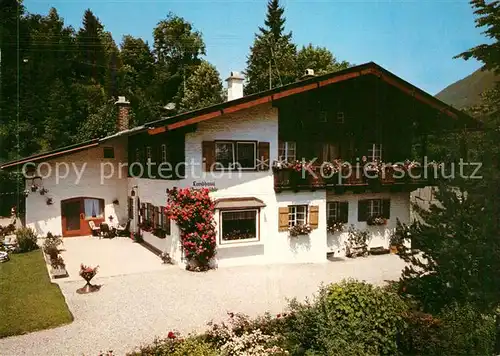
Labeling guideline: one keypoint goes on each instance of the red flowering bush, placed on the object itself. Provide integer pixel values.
(193, 210)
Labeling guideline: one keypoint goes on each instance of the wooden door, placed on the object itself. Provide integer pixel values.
(77, 212)
(71, 215)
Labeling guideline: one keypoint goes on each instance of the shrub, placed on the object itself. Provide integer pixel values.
(248, 337)
(176, 346)
(26, 239)
(347, 318)
(457, 330)
(193, 212)
(7, 230)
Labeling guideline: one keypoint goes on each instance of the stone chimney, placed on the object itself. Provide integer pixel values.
(123, 113)
(309, 73)
(234, 86)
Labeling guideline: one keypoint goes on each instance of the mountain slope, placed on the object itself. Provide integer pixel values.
(466, 92)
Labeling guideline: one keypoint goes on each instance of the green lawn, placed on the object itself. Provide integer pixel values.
(28, 300)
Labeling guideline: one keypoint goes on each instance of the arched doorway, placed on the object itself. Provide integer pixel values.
(76, 213)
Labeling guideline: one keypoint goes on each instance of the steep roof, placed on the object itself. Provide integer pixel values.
(207, 113)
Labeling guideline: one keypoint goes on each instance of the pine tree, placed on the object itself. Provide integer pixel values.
(272, 59)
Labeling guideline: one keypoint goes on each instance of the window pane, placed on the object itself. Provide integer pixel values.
(93, 208)
(281, 150)
(291, 152)
(246, 154)
(333, 210)
(224, 154)
(239, 225)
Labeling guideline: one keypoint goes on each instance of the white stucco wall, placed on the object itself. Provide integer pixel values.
(261, 124)
(380, 235)
(67, 184)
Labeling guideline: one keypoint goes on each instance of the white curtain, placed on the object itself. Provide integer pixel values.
(92, 208)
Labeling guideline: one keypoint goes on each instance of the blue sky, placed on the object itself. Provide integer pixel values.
(416, 40)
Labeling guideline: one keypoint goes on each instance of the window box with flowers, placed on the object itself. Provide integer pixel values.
(375, 212)
(297, 230)
(337, 216)
(376, 220)
(298, 219)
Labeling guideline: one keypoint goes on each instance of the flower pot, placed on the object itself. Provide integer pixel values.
(393, 249)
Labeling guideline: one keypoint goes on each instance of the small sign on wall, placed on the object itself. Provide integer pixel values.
(204, 184)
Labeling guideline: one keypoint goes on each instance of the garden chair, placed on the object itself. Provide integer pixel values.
(106, 232)
(96, 231)
(123, 230)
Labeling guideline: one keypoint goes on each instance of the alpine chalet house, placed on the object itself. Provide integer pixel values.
(303, 159)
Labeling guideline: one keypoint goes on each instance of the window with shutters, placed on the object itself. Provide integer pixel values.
(337, 211)
(372, 208)
(165, 222)
(287, 151)
(297, 215)
(375, 152)
(235, 154)
(239, 226)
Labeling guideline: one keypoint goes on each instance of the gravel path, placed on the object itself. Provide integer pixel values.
(132, 309)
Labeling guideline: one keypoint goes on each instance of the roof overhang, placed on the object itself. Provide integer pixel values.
(194, 117)
(239, 203)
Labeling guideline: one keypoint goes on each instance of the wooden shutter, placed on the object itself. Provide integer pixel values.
(208, 154)
(283, 218)
(386, 208)
(166, 221)
(155, 217)
(362, 210)
(263, 156)
(344, 211)
(314, 216)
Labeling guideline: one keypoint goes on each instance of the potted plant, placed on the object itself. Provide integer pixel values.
(356, 244)
(301, 229)
(334, 226)
(43, 191)
(138, 237)
(34, 188)
(87, 273)
(58, 267)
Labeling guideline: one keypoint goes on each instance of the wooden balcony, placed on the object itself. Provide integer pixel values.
(356, 180)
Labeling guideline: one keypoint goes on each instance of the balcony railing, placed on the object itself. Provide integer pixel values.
(315, 177)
